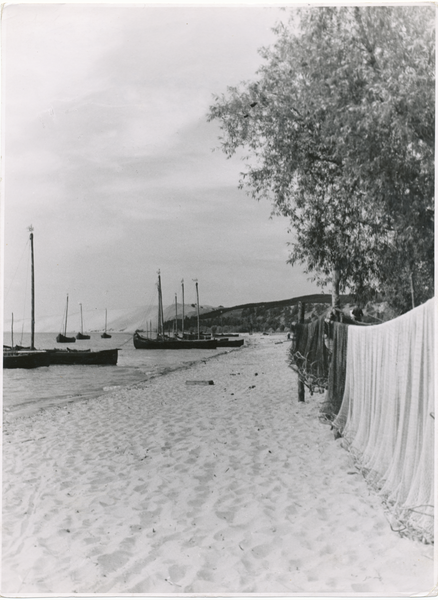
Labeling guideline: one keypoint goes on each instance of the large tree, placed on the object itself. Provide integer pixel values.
(338, 128)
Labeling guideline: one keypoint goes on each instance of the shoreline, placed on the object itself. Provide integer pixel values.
(170, 488)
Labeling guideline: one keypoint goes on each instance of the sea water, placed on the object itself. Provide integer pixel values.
(26, 391)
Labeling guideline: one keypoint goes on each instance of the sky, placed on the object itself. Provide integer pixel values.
(109, 156)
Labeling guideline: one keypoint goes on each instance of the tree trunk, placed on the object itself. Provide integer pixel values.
(336, 301)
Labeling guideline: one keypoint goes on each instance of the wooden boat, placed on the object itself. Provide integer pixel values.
(81, 335)
(166, 342)
(105, 335)
(170, 343)
(226, 343)
(15, 357)
(61, 356)
(62, 338)
(25, 359)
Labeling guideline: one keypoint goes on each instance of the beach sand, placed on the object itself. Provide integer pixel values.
(173, 488)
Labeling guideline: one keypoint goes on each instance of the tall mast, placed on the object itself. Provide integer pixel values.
(176, 316)
(82, 322)
(32, 318)
(160, 324)
(12, 331)
(197, 303)
(182, 324)
(66, 316)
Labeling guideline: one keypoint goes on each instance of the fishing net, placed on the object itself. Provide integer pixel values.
(336, 375)
(387, 415)
(309, 355)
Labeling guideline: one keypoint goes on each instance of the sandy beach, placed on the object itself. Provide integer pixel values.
(170, 487)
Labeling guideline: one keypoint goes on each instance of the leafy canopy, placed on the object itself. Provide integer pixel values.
(338, 128)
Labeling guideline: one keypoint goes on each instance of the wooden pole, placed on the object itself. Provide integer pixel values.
(182, 323)
(197, 302)
(32, 322)
(301, 393)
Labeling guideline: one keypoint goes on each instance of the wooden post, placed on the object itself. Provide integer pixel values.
(301, 395)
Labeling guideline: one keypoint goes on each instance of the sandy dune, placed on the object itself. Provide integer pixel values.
(174, 488)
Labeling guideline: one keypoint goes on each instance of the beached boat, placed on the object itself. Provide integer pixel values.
(226, 343)
(81, 335)
(61, 356)
(62, 338)
(24, 359)
(166, 342)
(17, 357)
(105, 335)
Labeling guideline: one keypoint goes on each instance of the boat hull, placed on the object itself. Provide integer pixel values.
(225, 343)
(25, 359)
(83, 357)
(144, 343)
(82, 336)
(105, 336)
(63, 339)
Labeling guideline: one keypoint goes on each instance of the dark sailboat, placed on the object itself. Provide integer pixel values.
(166, 342)
(81, 335)
(26, 358)
(62, 338)
(105, 335)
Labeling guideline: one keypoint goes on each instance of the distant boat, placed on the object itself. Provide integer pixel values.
(62, 338)
(26, 358)
(81, 335)
(59, 356)
(166, 342)
(105, 335)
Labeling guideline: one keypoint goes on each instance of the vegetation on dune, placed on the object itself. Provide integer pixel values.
(338, 133)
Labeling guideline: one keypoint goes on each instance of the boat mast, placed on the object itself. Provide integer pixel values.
(66, 315)
(12, 331)
(197, 303)
(160, 323)
(182, 323)
(176, 316)
(32, 320)
(82, 322)
(106, 318)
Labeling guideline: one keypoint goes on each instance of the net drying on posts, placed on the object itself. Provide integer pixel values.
(337, 370)
(387, 415)
(309, 356)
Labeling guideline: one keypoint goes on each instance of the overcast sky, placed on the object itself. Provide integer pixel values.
(108, 154)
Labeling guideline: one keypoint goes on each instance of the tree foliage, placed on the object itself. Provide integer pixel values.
(338, 128)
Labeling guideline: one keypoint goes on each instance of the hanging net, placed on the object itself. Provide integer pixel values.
(309, 355)
(387, 415)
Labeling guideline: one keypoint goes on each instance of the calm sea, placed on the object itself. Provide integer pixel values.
(26, 391)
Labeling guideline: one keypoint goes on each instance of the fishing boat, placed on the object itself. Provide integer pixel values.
(61, 356)
(105, 335)
(166, 342)
(81, 335)
(15, 357)
(226, 343)
(62, 338)
(24, 359)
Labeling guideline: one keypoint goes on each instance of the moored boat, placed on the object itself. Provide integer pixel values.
(25, 359)
(166, 342)
(81, 335)
(62, 338)
(61, 356)
(162, 342)
(105, 335)
(17, 357)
